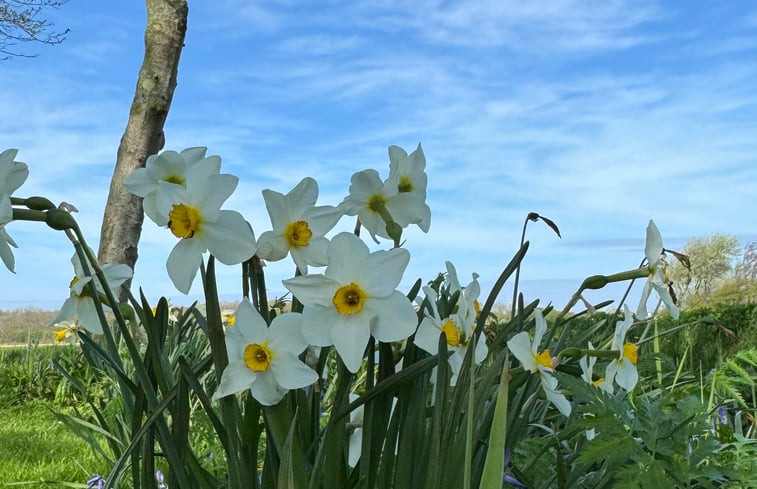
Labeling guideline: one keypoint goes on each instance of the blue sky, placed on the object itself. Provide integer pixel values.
(599, 115)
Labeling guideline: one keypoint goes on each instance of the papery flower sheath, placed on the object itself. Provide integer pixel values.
(299, 226)
(80, 302)
(355, 297)
(12, 175)
(657, 277)
(265, 359)
(164, 178)
(527, 352)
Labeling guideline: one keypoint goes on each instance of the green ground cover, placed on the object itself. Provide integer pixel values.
(36, 448)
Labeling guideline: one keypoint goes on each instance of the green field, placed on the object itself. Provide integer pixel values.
(36, 448)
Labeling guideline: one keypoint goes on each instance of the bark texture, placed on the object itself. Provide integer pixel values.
(164, 39)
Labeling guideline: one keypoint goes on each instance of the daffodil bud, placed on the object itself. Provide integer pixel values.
(595, 282)
(59, 220)
(38, 204)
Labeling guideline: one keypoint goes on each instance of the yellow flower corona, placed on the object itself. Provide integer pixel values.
(477, 307)
(349, 299)
(298, 234)
(257, 357)
(450, 331)
(376, 201)
(184, 221)
(177, 179)
(405, 185)
(60, 335)
(631, 352)
(73, 282)
(598, 382)
(544, 359)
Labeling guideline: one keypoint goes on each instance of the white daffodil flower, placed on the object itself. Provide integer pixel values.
(164, 178)
(265, 359)
(623, 369)
(202, 226)
(80, 302)
(458, 331)
(368, 193)
(12, 175)
(587, 372)
(6, 254)
(407, 173)
(298, 226)
(527, 352)
(657, 277)
(355, 298)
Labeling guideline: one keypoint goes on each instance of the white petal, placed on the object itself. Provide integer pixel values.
(355, 447)
(322, 219)
(346, 252)
(210, 194)
(314, 254)
(87, 314)
(395, 318)
(285, 334)
(290, 372)
(251, 323)
(140, 183)
(6, 254)
(664, 294)
(302, 197)
(317, 323)
(266, 390)
(272, 247)
(641, 311)
(626, 376)
(610, 372)
(313, 290)
(116, 275)
(183, 263)
(653, 245)
(277, 210)
(481, 350)
(229, 238)
(236, 377)
(350, 337)
(549, 384)
(67, 311)
(541, 328)
(427, 336)
(520, 346)
(381, 271)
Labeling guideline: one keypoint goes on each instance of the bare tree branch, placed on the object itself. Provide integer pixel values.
(20, 23)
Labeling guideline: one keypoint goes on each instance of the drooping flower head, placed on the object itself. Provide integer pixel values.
(164, 177)
(12, 175)
(623, 369)
(80, 302)
(299, 226)
(658, 279)
(265, 359)
(355, 297)
(534, 361)
(587, 372)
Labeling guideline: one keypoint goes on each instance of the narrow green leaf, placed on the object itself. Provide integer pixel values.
(494, 466)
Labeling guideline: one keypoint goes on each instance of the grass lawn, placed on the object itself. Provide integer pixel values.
(35, 448)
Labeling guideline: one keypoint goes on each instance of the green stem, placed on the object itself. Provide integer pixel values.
(28, 215)
(517, 270)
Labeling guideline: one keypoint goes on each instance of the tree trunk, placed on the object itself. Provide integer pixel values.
(164, 39)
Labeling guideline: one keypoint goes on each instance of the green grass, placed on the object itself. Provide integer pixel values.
(35, 448)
